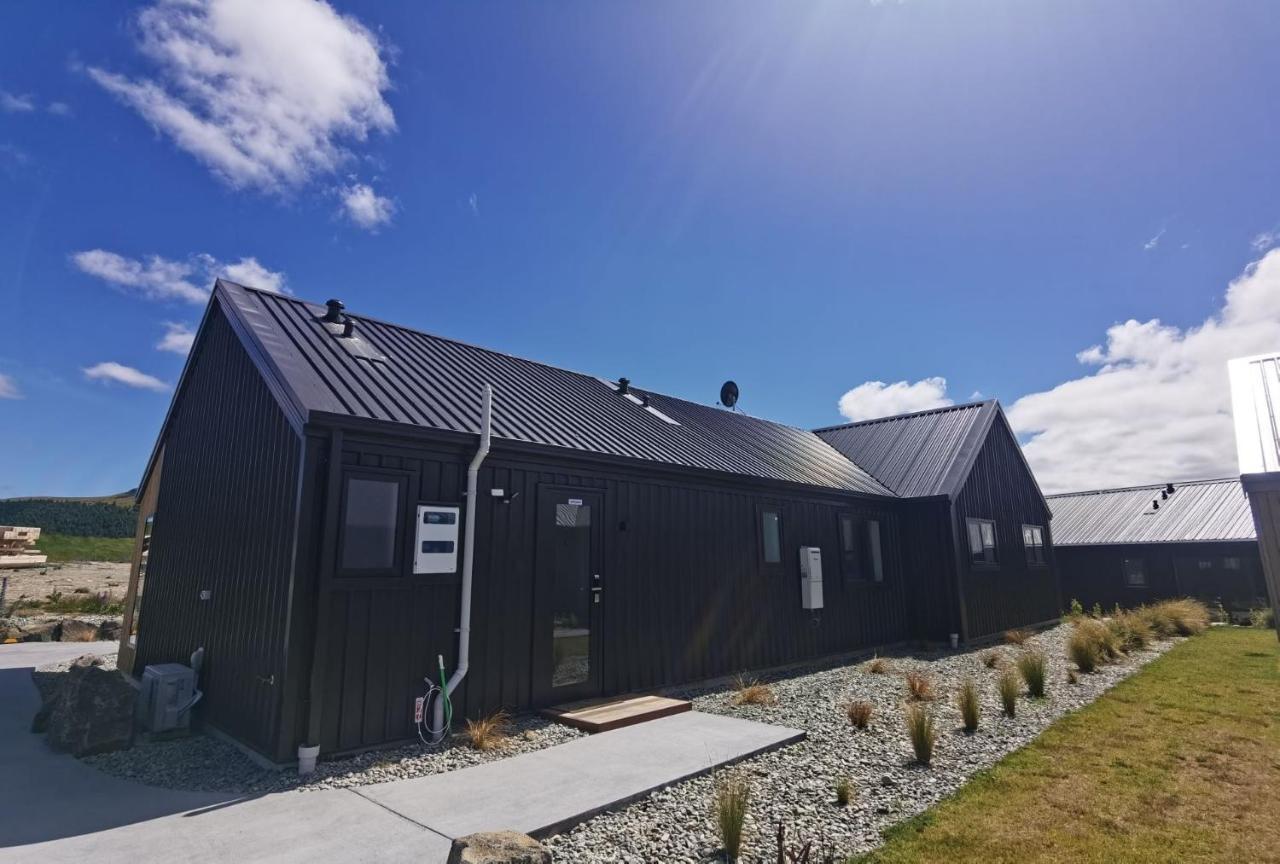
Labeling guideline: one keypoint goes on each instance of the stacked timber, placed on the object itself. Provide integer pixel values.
(18, 547)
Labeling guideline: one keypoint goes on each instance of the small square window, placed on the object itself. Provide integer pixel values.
(982, 541)
(771, 536)
(1135, 572)
(1033, 543)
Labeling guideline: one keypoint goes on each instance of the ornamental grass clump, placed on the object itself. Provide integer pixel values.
(859, 713)
(1083, 651)
(733, 795)
(921, 730)
(488, 733)
(919, 686)
(1019, 636)
(991, 659)
(1183, 617)
(749, 691)
(878, 666)
(1007, 686)
(1130, 630)
(1032, 668)
(844, 791)
(970, 705)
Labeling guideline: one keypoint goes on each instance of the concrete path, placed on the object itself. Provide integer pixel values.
(549, 790)
(54, 808)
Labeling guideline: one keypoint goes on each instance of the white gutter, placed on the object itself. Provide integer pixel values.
(468, 561)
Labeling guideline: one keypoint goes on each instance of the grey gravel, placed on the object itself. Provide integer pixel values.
(796, 785)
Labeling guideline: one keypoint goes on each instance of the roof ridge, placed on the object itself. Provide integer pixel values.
(1176, 484)
(962, 406)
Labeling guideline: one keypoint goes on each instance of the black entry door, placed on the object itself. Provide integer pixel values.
(566, 651)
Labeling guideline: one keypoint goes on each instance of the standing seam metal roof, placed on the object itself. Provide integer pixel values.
(1197, 511)
(915, 454)
(434, 382)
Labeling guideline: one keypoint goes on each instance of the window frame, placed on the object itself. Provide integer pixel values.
(850, 560)
(875, 550)
(1142, 571)
(990, 559)
(1040, 559)
(401, 539)
(761, 512)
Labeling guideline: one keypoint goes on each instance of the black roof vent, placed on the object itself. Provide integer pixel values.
(1155, 504)
(1164, 494)
(348, 328)
(334, 313)
(1168, 489)
(624, 386)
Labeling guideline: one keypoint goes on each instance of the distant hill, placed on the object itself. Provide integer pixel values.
(105, 516)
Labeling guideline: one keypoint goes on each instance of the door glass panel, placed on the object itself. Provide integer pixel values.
(571, 587)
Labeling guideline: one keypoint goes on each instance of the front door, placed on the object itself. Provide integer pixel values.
(566, 654)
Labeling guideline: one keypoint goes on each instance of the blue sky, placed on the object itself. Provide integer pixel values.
(804, 197)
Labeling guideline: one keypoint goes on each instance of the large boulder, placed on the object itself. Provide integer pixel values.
(42, 631)
(109, 630)
(91, 710)
(75, 630)
(498, 847)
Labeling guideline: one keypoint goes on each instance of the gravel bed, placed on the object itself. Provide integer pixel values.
(201, 762)
(795, 786)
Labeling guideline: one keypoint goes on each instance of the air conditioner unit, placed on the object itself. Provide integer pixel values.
(166, 697)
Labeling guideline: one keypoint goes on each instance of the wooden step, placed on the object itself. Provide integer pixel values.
(601, 716)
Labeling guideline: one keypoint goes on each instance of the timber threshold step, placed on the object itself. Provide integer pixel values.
(598, 716)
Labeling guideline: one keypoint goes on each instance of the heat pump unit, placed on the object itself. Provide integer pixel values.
(811, 577)
(166, 697)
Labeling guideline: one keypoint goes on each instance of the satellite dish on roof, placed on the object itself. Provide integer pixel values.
(728, 394)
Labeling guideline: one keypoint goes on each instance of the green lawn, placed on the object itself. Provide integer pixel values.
(68, 547)
(1181, 762)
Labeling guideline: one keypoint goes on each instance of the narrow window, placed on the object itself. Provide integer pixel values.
(1033, 543)
(1135, 573)
(873, 550)
(1230, 563)
(370, 525)
(982, 541)
(848, 547)
(771, 528)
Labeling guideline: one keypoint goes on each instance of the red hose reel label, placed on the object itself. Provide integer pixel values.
(417, 709)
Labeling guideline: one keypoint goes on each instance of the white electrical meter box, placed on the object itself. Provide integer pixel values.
(811, 577)
(164, 700)
(435, 547)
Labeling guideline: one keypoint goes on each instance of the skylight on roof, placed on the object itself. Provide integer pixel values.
(637, 400)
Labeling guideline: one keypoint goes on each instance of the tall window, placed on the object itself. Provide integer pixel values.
(370, 524)
(848, 547)
(875, 562)
(1135, 572)
(1033, 542)
(982, 542)
(771, 536)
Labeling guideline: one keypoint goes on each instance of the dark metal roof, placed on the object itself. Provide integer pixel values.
(430, 381)
(919, 454)
(1197, 511)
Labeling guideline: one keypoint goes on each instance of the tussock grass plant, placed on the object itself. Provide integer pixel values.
(1184, 617)
(991, 659)
(919, 686)
(921, 730)
(878, 666)
(970, 705)
(1072, 677)
(1083, 651)
(1130, 631)
(1019, 636)
(859, 713)
(732, 797)
(1262, 619)
(1008, 686)
(488, 733)
(749, 691)
(844, 791)
(1032, 668)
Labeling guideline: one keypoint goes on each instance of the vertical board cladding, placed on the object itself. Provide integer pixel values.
(1095, 574)
(929, 557)
(1264, 502)
(224, 525)
(1012, 593)
(685, 593)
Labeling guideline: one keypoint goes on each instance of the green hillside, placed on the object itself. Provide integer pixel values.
(112, 516)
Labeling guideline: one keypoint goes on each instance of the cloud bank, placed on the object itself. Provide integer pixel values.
(126, 375)
(9, 388)
(877, 399)
(157, 278)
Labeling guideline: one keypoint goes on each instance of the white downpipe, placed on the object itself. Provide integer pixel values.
(468, 559)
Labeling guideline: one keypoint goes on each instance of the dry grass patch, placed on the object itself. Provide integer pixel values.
(878, 666)
(970, 705)
(844, 791)
(749, 691)
(732, 797)
(1177, 763)
(1185, 617)
(1019, 636)
(991, 659)
(1008, 687)
(488, 733)
(921, 730)
(919, 686)
(859, 713)
(1032, 667)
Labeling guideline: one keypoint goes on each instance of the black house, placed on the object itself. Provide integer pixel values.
(1144, 543)
(305, 519)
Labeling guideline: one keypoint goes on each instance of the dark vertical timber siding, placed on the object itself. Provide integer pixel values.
(224, 523)
(1094, 574)
(685, 595)
(930, 565)
(1000, 487)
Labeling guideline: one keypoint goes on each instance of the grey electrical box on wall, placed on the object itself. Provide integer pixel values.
(811, 577)
(435, 548)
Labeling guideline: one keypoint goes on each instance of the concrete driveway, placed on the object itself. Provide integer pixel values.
(54, 809)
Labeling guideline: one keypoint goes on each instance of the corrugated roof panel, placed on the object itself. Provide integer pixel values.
(435, 382)
(1197, 511)
(912, 454)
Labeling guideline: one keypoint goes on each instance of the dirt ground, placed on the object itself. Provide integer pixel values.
(39, 582)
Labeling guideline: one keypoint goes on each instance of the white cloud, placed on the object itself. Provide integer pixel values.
(1158, 408)
(9, 388)
(125, 375)
(159, 278)
(878, 399)
(177, 338)
(1265, 240)
(14, 103)
(267, 95)
(1154, 241)
(61, 109)
(367, 208)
